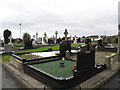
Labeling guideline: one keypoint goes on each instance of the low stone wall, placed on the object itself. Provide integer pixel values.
(16, 63)
(107, 49)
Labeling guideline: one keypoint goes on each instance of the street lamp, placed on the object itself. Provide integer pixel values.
(20, 29)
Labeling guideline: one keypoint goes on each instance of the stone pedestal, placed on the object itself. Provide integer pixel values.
(107, 61)
(8, 48)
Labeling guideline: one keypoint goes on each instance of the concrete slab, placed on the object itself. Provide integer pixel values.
(94, 82)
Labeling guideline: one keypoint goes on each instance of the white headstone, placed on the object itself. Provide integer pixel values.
(39, 40)
(36, 36)
(75, 41)
(56, 36)
(34, 41)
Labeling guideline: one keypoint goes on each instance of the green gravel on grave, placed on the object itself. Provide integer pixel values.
(54, 68)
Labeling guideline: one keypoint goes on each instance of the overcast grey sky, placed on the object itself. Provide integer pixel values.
(80, 17)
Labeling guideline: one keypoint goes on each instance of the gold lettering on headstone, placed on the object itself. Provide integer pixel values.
(87, 51)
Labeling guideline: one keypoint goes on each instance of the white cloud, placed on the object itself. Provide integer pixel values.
(80, 17)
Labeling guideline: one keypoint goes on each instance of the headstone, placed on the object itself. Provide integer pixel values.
(39, 40)
(88, 41)
(104, 41)
(86, 59)
(75, 41)
(99, 43)
(54, 39)
(67, 54)
(28, 44)
(83, 39)
(36, 35)
(45, 38)
(78, 40)
(66, 33)
(34, 41)
(64, 46)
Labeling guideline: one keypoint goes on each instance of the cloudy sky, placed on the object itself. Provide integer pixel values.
(80, 17)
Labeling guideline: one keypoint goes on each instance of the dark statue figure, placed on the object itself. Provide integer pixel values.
(7, 34)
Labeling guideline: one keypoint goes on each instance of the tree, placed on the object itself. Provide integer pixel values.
(27, 41)
(26, 37)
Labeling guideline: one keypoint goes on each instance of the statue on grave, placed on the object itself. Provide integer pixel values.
(45, 39)
(7, 41)
(7, 34)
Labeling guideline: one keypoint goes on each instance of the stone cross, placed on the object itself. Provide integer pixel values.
(56, 36)
(33, 36)
(45, 34)
(66, 33)
(36, 35)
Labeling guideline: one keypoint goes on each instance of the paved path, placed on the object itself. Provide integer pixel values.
(8, 81)
(113, 83)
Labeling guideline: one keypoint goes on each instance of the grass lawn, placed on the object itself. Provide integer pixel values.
(56, 47)
(54, 68)
(5, 58)
(18, 45)
(40, 49)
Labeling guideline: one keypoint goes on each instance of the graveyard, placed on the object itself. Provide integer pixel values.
(58, 63)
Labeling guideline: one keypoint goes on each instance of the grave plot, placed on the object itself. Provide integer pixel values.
(34, 57)
(102, 46)
(54, 68)
(57, 70)
(66, 73)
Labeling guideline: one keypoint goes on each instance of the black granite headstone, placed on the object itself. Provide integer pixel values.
(64, 46)
(28, 45)
(88, 41)
(100, 43)
(86, 59)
